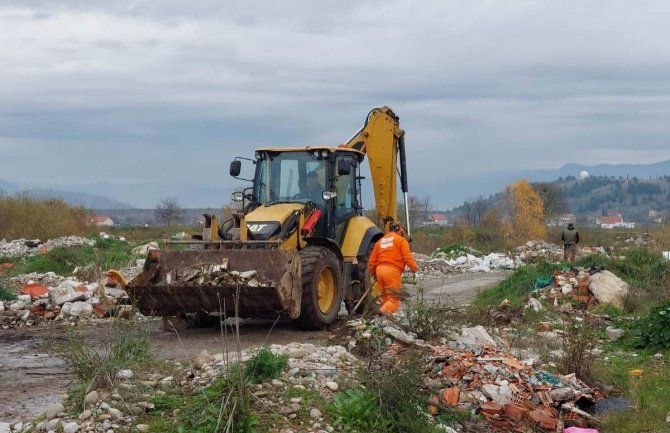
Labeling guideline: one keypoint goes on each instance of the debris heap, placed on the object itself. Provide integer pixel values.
(27, 247)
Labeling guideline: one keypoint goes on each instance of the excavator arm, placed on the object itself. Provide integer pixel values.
(383, 141)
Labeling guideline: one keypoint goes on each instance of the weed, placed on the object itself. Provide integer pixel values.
(653, 331)
(6, 294)
(428, 319)
(128, 347)
(579, 340)
(395, 386)
(357, 411)
(221, 407)
(265, 366)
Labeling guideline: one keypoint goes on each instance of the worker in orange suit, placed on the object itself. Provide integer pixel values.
(387, 262)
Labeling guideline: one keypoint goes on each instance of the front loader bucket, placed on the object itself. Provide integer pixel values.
(190, 281)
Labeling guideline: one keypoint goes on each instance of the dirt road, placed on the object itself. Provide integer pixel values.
(32, 376)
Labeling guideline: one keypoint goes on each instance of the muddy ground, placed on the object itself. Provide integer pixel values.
(32, 376)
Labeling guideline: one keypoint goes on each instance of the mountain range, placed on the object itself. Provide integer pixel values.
(445, 193)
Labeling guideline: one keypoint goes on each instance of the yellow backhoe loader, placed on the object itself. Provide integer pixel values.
(301, 243)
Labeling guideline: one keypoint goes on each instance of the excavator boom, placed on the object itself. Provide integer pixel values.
(383, 141)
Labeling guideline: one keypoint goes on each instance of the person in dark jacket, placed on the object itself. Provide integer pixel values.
(570, 238)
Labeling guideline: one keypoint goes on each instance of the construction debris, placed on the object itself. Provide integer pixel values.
(143, 250)
(49, 297)
(27, 247)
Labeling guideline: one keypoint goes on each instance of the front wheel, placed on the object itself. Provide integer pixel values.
(321, 288)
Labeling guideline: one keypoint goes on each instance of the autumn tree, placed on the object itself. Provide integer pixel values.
(526, 211)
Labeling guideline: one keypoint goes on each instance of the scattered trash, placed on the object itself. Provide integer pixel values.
(143, 250)
(27, 247)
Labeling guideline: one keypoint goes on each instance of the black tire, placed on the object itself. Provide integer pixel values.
(365, 278)
(313, 261)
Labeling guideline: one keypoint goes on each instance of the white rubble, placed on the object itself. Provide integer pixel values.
(143, 250)
(29, 247)
(475, 337)
(609, 289)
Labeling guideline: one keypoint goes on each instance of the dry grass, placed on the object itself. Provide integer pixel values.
(25, 217)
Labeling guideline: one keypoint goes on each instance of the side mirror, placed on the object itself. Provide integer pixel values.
(237, 196)
(329, 195)
(343, 167)
(235, 168)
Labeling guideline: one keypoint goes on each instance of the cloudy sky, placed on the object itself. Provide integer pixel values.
(168, 91)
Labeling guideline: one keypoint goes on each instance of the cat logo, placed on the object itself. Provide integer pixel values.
(257, 227)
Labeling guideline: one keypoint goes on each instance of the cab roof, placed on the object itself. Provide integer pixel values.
(309, 148)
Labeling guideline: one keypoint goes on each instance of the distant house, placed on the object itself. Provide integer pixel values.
(562, 220)
(614, 222)
(102, 220)
(436, 219)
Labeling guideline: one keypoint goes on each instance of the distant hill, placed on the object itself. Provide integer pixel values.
(452, 191)
(90, 201)
(631, 196)
(7, 187)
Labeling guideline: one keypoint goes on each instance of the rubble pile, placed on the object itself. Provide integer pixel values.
(511, 394)
(49, 297)
(27, 247)
(125, 405)
(472, 371)
(582, 285)
(104, 235)
(464, 264)
(533, 251)
(213, 275)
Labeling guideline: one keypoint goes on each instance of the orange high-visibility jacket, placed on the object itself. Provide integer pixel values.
(392, 249)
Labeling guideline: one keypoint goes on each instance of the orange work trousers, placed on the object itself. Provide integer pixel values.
(389, 283)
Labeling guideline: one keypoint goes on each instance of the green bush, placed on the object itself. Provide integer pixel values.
(357, 411)
(653, 331)
(219, 408)
(265, 366)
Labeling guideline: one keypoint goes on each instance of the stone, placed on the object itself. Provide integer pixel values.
(609, 289)
(562, 394)
(91, 398)
(658, 356)
(475, 337)
(201, 360)
(71, 427)
(290, 409)
(85, 415)
(143, 428)
(277, 383)
(124, 374)
(333, 386)
(327, 371)
(500, 394)
(298, 353)
(115, 413)
(53, 424)
(535, 305)
(17, 306)
(667, 418)
(143, 250)
(614, 334)
(54, 410)
(315, 413)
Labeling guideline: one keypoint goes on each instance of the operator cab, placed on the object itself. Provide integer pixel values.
(325, 178)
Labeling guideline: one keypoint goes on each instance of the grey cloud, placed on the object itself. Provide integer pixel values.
(478, 85)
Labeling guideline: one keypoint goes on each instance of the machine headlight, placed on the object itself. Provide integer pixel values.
(324, 154)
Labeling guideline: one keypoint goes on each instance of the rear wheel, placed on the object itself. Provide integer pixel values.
(321, 288)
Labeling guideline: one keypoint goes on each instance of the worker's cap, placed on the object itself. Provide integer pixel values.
(571, 226)
(394, 227)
